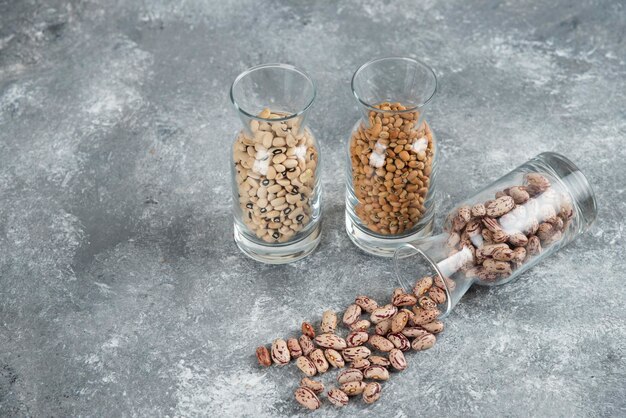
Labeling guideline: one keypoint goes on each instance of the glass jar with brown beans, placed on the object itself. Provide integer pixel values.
(391, 156)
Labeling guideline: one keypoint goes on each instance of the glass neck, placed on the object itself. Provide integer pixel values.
(429, 257)
(574, 182)
(372, 116)
(273, 120)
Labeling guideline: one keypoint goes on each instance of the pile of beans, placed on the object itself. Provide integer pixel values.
(391, 167)
(275, 174)
(369, 350)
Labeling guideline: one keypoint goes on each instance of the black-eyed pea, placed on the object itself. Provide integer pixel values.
(289, 163)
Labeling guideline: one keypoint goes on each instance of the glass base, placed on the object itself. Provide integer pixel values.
(279, 253)
(382, 246)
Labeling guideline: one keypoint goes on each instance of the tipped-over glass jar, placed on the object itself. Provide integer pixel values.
(276, 186)
(500, 232)
(392, 156)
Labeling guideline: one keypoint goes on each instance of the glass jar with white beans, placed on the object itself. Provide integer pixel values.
(275, 165)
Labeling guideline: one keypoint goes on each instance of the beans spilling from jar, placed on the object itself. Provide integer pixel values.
(370, 349)
(501, 234)
(275, 174)
(391, 167)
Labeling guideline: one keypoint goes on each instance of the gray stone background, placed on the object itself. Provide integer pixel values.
(121, 290)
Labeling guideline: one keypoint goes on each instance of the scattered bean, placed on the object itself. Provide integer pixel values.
(372, 392)
(319, 360)
(263, 356)
(376, 373)
(315, 386)
(280, 352)
(350, 375)
(329, 322)
(306, 366)
(330, 341)
(353, 388)
(334, 358)
(337, 397)
(397, 360)
(424, 342)
(307, 398)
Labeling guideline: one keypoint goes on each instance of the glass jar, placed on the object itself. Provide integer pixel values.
(276, 186)
(501, 231)
(392, 156)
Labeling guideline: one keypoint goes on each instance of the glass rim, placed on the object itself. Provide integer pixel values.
(413, 61)
(582, 178)
(285, 67)
(416, 250)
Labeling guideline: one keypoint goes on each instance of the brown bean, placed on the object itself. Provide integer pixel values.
(434, 327)
(334, 358)
(295, 350)
(263, 356)
(397, 359)
(307, 398)
(380, 343)
(337, 397)
(424, 342)
(308, 330)
(314, 385)
(422, 286)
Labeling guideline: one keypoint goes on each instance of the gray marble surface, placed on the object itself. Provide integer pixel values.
(122, 292)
